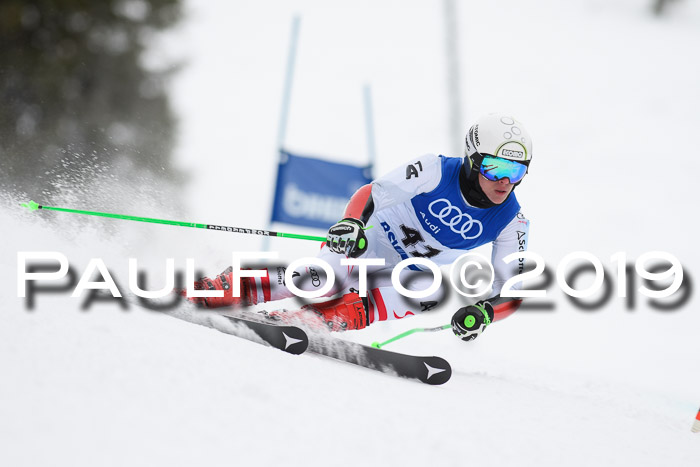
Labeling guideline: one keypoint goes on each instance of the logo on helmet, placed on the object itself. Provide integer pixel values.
(513, 154)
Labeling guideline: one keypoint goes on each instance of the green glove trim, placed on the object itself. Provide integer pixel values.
(482, 309)
(469, 321)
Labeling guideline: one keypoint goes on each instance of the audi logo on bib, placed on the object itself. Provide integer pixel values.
(451, 216)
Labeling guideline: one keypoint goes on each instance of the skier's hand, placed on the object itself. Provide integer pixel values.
(470, 321)
(347, 237)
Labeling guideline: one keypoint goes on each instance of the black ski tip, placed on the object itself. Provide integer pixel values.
(293, 340)
(435, 371)
(290, 339)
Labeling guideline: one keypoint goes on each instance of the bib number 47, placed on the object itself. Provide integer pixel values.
(413, 237)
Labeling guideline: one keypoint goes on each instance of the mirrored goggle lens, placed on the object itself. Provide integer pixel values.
(495, 168)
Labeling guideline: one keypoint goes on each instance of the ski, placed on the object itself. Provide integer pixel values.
(290, 339)
(239, 323)
(296, 340)
(429, 370)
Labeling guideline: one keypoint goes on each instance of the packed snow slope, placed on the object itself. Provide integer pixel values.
(610, 96)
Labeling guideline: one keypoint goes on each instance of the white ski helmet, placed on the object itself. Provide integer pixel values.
(498, 135)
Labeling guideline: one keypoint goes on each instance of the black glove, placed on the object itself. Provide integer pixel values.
(347, 237)
(470, 321)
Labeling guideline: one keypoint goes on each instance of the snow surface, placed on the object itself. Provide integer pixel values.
(610, 95)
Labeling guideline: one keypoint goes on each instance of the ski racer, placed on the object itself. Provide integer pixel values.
(434, 207)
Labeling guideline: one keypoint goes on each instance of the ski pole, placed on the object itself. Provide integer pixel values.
(378, 345)
(33, 206)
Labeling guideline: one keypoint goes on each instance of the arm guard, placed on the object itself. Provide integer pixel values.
(504, 307)
(361, 205)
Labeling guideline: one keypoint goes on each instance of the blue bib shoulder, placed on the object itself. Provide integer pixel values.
(447, 216)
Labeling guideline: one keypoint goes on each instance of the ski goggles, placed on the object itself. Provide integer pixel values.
(495, 168)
